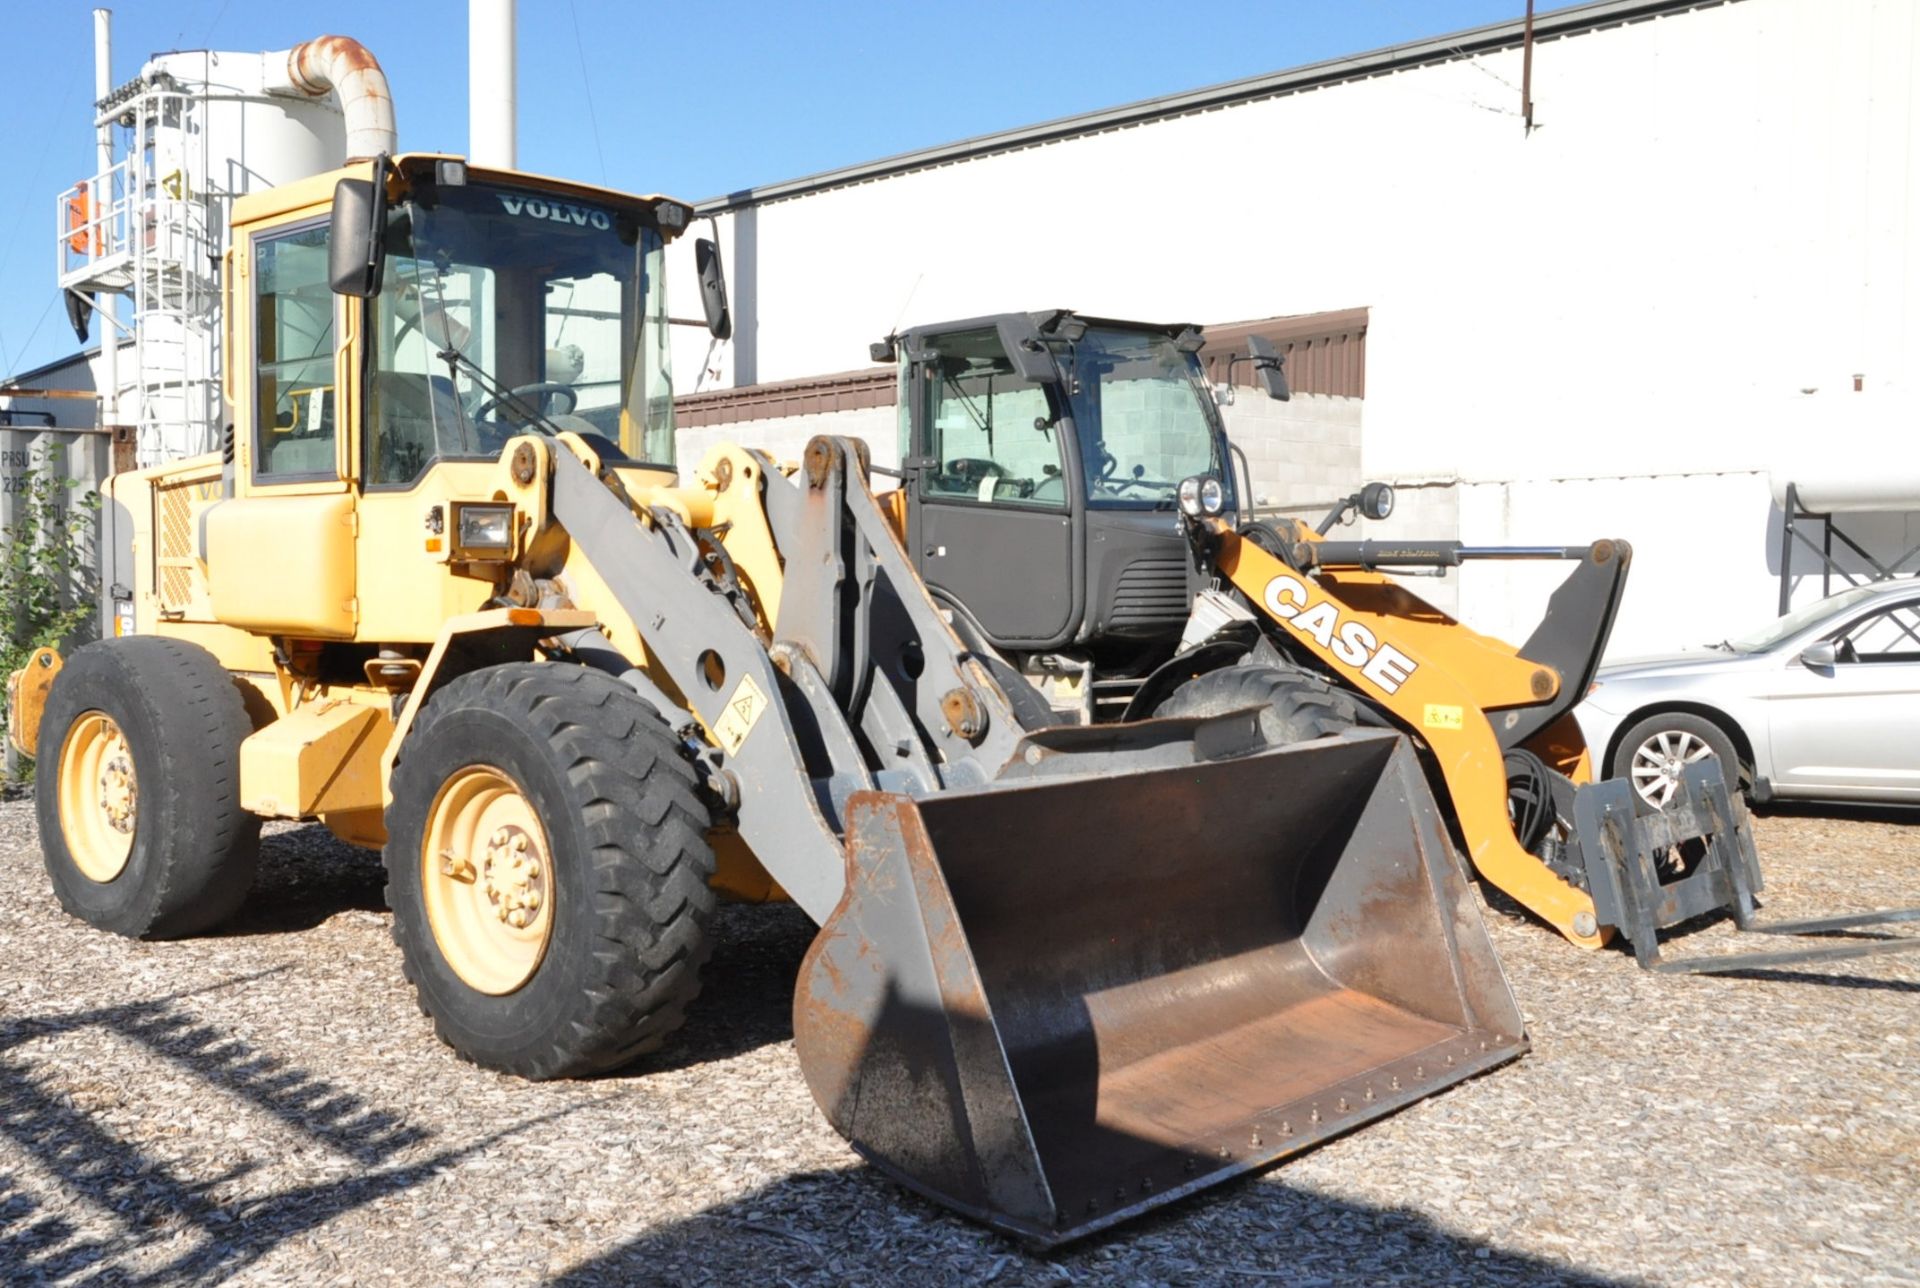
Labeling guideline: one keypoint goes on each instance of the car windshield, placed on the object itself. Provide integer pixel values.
(1799, 620)
(1140, 410)
(559, 305)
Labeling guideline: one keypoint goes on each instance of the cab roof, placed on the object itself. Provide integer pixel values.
(1046, 320)
(316, 191)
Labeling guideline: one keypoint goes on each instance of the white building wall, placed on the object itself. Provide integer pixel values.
(1613, 326)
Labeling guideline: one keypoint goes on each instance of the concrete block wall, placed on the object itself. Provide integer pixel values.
(1302, 452)
(785, 438)
(1141, 423)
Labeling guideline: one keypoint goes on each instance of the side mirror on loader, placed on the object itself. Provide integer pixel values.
(1270, 367)
(713, 288)
(356, 253)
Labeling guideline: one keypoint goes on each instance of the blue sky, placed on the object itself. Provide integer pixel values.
(690, 99)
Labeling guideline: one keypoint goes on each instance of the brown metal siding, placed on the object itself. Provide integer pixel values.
(843, 391)
(1326, 353)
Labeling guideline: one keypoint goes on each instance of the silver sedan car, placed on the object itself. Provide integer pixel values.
(1822, 703)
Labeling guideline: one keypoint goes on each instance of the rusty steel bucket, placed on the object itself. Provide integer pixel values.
(1053, 1004)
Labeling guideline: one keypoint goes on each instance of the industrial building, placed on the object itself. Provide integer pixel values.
(1627, 271)
(1627, 278)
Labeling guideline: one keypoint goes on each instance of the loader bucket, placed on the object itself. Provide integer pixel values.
(1053, 1004)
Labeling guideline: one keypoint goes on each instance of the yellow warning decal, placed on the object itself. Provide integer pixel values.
(1440, 716)
(742, 711)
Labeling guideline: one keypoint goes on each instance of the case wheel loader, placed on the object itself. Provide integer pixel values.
(443, 594)
(1090, 453)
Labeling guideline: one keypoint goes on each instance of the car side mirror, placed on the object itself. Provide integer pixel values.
(356, 252)
(713, 288)
(1819, 656)
(1270, 367)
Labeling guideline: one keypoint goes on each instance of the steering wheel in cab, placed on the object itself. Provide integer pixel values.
(493, 434)
(535, 395)
(1110, 466)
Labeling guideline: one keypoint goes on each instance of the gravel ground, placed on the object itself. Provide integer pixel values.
(268, 1105)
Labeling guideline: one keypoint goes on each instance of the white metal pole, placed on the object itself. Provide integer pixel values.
(106, 302)
(492, 95)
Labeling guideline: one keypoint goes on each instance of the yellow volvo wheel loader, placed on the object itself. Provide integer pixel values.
(442, 594)
(1088, 454)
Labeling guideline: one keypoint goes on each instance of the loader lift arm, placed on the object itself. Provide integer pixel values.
(996, 1012)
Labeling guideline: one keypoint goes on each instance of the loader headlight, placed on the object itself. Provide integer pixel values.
(485, 528)
(1201, 494)
(1190, 497)
(1376, 500)
(1213, 497)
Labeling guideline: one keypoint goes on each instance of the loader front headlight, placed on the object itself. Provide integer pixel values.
(1213, 497)
(484, 529)
(1190, 497)
(1376, 500)
(1201, 494)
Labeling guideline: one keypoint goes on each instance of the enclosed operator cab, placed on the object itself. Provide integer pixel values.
(367, 429)
(1042, 455)
(362, 499)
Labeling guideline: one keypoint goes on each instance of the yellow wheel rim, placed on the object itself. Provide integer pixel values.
(486, 873)
(99, 799)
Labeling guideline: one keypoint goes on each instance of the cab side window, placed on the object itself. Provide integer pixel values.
(990, 432)
(294, 402)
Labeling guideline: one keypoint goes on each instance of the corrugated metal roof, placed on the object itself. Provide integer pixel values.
(1571, 21)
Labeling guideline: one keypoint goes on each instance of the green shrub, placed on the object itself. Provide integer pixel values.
(46, 578)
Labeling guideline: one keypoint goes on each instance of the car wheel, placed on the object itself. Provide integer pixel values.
(1654, 752)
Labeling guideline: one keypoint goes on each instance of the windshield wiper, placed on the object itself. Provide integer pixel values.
(502, 396)
(1725, 646)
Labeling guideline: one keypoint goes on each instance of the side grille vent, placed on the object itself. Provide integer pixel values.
(173, 541)
(1151, 592)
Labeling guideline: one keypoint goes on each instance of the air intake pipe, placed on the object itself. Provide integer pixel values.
(344, 67)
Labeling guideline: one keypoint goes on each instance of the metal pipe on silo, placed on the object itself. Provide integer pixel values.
(106, 303)
(492, 96)
(345, 68)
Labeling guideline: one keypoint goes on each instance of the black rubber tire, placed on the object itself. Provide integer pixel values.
(1295, 705)
(632, 907)
(1706, 730)
(194, 848)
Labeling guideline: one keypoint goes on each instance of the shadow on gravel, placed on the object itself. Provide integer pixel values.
(146, 1200)
(1864, 983)
(305, 877)
(833, 1227)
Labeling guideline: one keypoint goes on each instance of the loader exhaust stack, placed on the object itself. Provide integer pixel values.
(1051, 1005)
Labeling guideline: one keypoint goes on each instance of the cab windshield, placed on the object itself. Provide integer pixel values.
(1141, 413)
(560, 305)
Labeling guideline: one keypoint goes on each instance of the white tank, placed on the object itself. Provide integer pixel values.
(202, 130)
(1876, 468)
(246, 139)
